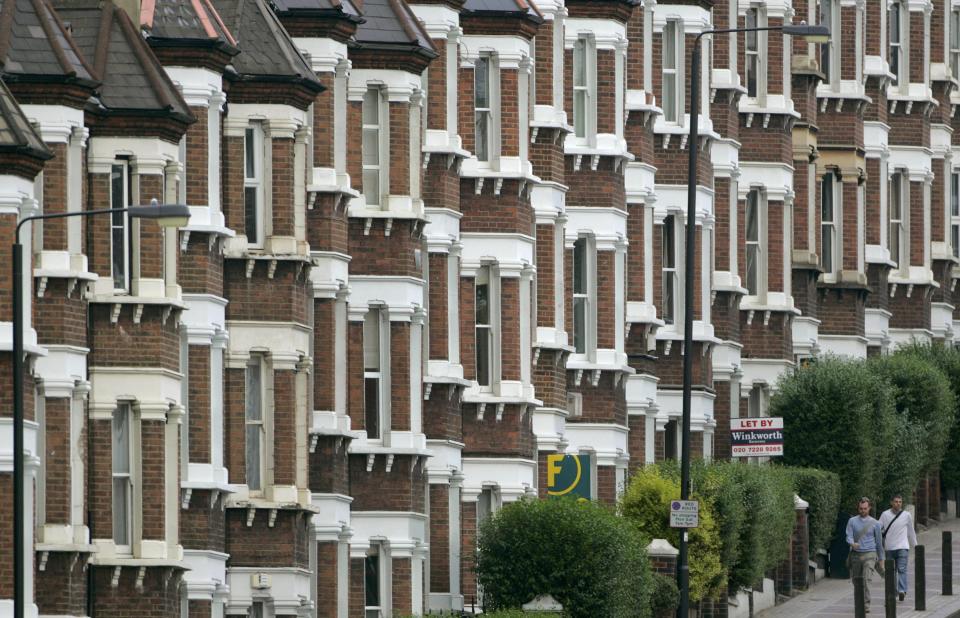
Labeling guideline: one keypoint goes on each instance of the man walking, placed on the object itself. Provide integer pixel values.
(865, 538)
(898, 537)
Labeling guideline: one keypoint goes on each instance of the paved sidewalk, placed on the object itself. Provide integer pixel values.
(833, 598)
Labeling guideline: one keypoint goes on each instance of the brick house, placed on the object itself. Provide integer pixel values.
(432, 244)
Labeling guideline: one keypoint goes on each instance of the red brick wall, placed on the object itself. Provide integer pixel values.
(283, 297)
(329, 466)
(200, 269)
(512, 436)
(198, 150)
(55, 198)
(57, 460)
(151, 343)
(61, 587)
(202, 525)
(59, 318)
(151, 234)
(199, 416)
(373, 252)
(439, 310)
(328, 588)
(439, 538)
(159, 597)
(153, 514)
(285, 544)
(402, 489)
(327, 224)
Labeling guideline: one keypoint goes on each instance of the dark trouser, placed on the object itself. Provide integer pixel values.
(861, 566)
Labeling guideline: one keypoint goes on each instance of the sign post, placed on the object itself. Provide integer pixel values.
(756, 437)
(684, 514)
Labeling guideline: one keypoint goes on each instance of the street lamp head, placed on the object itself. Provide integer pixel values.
(813, 34)
(166, 215)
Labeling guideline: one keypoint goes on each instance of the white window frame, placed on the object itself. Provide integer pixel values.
(584, 302)
(120, 225)
(670, 275)
(829, 15)
(376, 190)
(585, 93)
(953, 42)
(896, 236)
(830, 228)
(491, 111)
(258, 609)
(380, 609)
(254, 184)
(955, 212)
(256, 367)
(40, 415)
(755, 207)
(123, 456)
(488, 275)
(185, 403)
(673, 109)
(376, 344)
(488, 503)
(898, 18)
(755, 46)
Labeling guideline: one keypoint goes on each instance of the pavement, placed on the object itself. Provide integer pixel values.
(833, 598)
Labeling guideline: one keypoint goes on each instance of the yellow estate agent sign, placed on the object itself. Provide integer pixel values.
(569, 475)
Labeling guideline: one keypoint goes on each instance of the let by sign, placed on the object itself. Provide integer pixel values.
(756, 437)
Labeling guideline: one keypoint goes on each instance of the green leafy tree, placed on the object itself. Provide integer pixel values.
(591, 561)
(646, 504)
(838, 416)
(947, 359)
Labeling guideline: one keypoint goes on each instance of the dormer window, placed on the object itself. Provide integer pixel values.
(483, 100)
(120, 197)
(584, 87)
(672, 94)
(375, 146)
(253, 185)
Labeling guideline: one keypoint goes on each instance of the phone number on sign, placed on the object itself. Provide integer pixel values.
(765, 449)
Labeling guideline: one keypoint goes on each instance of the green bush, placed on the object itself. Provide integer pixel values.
(646, 504)
(718, 484)
(765, 536)
(821, 490)
(838, 416)
(665, 597)
(947, 359)
(925, 404)
(590, 560)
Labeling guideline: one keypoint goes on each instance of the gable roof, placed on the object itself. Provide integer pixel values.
(185, 21)
(17, 136)
(267, 53)
(35, 46)
(132, 80)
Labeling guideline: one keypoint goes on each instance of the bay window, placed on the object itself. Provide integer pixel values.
(955, 43)
(484, 326)
(122, 472)
(375, 360)
(955, 213)
(755, 54)
(253, 185)
(896, 216)
(669, 270)
(375, 146)
(120, 197)
(581, 295)
(829, 220)
(584, 87)
(255, 428)
(897, 57)
(373, 582)
(755, 269)
(829, 61)
(672, 95)
(483, 89)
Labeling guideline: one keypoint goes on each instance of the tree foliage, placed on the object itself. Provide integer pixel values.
(580, 552)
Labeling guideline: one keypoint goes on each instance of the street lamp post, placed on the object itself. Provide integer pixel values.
(816, 34)
(166, 215)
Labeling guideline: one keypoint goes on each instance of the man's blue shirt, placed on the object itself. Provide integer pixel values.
(868, 542)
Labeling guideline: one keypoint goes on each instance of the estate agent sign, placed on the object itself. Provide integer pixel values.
(756, 437)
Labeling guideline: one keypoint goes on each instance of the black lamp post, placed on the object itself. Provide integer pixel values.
(167, 215)
(815, 34)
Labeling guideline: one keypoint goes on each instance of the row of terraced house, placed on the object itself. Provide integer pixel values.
(431, 243)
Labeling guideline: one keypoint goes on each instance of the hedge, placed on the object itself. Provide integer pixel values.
(591, 561)
(839, 416)
(821, 490)
(925, 404)
(646, 504)
(947, 359)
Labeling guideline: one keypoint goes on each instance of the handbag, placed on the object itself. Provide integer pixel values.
(863, 532)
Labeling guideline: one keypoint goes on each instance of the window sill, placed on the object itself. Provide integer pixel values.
(639, 312)
(226, 488)
(605, 145)
(125, 299)
(79, 548)
(246, 501)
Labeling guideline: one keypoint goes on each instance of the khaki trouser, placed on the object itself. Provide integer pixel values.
(862, 565)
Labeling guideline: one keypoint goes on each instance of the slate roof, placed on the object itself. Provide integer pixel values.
(132, 78)
(504, 6)
(185, 21)
(16, 134)
(391, 22)
(345, 8)
(34, 45)
(266, 50)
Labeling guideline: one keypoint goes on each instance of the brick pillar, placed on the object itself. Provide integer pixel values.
(800, 547)
(663, 557)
